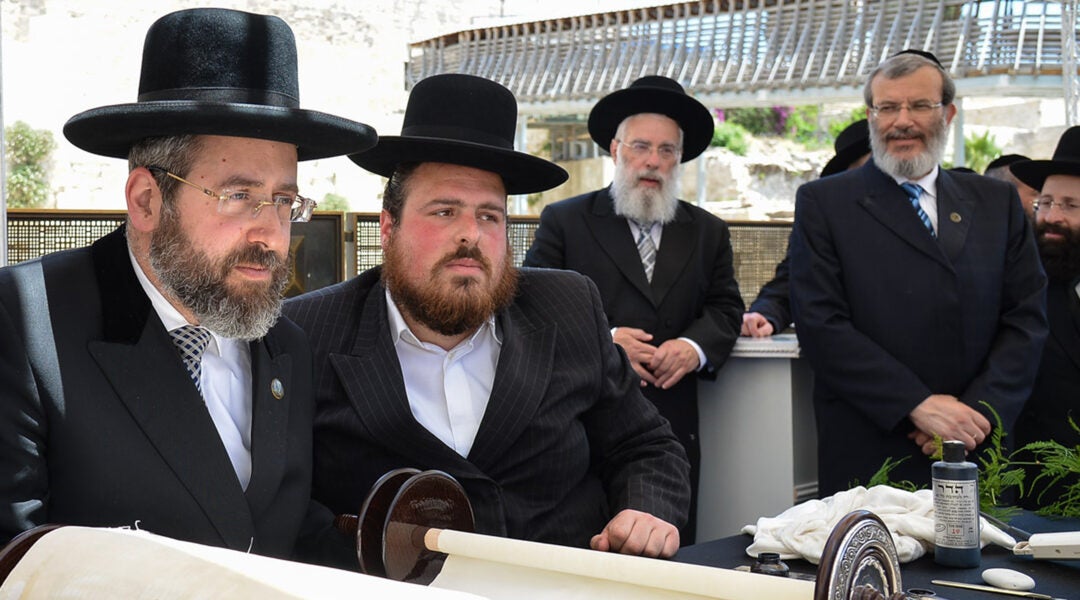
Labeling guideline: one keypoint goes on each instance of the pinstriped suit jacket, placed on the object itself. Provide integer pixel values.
(567, 439)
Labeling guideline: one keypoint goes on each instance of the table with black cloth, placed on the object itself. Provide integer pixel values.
(1060, 579)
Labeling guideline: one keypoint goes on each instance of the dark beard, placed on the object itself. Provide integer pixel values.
(1061, 259)
(199, 282)
(461, 309)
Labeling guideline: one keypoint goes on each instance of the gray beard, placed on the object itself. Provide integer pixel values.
(641, 204)
(199, 283)
(913, 168)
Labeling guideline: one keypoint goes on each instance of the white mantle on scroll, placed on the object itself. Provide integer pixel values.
(506, 569)
(802, 530)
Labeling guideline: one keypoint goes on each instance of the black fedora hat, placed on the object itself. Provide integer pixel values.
(654, 94)
(212, 71)
(1066, 161)
(852, 143)
(462, 120)
(1004, 160)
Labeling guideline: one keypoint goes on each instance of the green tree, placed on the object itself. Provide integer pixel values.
(332, 201)
(979, 150)
(27, 154)
(731, 136)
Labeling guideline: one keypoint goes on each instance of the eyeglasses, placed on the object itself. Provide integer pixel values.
(665, 151)
(237, 203)
(1045, 205)
(891, 110)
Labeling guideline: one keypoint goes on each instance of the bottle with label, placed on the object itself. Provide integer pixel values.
(956, 508)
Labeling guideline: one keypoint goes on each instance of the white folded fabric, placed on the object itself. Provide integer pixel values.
(801, 531)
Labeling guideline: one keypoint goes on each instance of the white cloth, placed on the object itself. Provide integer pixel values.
(802, 530)
(448, 391)
(226, 381)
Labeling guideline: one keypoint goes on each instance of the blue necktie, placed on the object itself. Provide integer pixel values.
(914, 190)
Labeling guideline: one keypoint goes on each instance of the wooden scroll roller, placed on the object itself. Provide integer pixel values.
(417, 527)
(399, 509)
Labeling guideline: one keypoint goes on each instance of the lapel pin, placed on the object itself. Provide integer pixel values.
(277, 388)
(955, 217)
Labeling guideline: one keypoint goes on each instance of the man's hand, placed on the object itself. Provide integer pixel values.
(635, 342)
(755, 325)
(949, 418)
(638, 533)
(672, 360)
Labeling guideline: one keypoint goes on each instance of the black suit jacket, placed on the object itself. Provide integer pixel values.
(774, 299)
(888, 315)
(1056, 396)
(693, 292)
(100, 424)
(566, 441)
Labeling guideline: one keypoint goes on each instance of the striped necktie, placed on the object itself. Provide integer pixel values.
(646, 248)
(191, 342)
(914, 191)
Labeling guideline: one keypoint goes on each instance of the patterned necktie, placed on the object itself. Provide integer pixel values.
(914, 190)
(646, 248)
(191, 341)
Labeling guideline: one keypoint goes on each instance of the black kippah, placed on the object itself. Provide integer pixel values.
(922, 53)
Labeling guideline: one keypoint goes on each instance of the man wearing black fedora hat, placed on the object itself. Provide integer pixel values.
(1055, 398)
(916, 291)
(447, 357)
(770, 312)
(664, 267)
(1001, 168)
(146, 380)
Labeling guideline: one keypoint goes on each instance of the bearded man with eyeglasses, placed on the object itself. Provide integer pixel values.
(663, 266)
(147, 381)
(1055, 400)
(917, 292)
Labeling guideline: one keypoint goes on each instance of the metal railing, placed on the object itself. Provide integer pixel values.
(335, 246)
(746, 52)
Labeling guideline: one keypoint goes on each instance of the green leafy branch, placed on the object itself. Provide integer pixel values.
(1000, 472)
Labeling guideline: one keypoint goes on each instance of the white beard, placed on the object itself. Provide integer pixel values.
(645, 205)
(910, 168)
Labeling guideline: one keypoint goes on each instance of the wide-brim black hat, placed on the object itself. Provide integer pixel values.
(1004, 160)
(1066, 161)
(462, 120)
(654, 94)
(212, 71)
(852, 144)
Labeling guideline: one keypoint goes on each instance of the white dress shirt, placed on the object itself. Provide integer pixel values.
(226, 381)
(448, 391)
(928, 199)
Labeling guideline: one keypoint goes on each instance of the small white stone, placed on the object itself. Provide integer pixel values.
(1008, 579)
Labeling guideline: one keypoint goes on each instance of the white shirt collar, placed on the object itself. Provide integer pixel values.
(927, 182)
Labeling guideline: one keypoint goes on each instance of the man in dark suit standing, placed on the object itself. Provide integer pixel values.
(146, 381)
(663, 266)
(917, 292)
(1002, 168)
(770, 312)
(1056, 397)
(447, 357)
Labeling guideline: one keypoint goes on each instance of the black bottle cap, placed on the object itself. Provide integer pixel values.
(953, 451)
